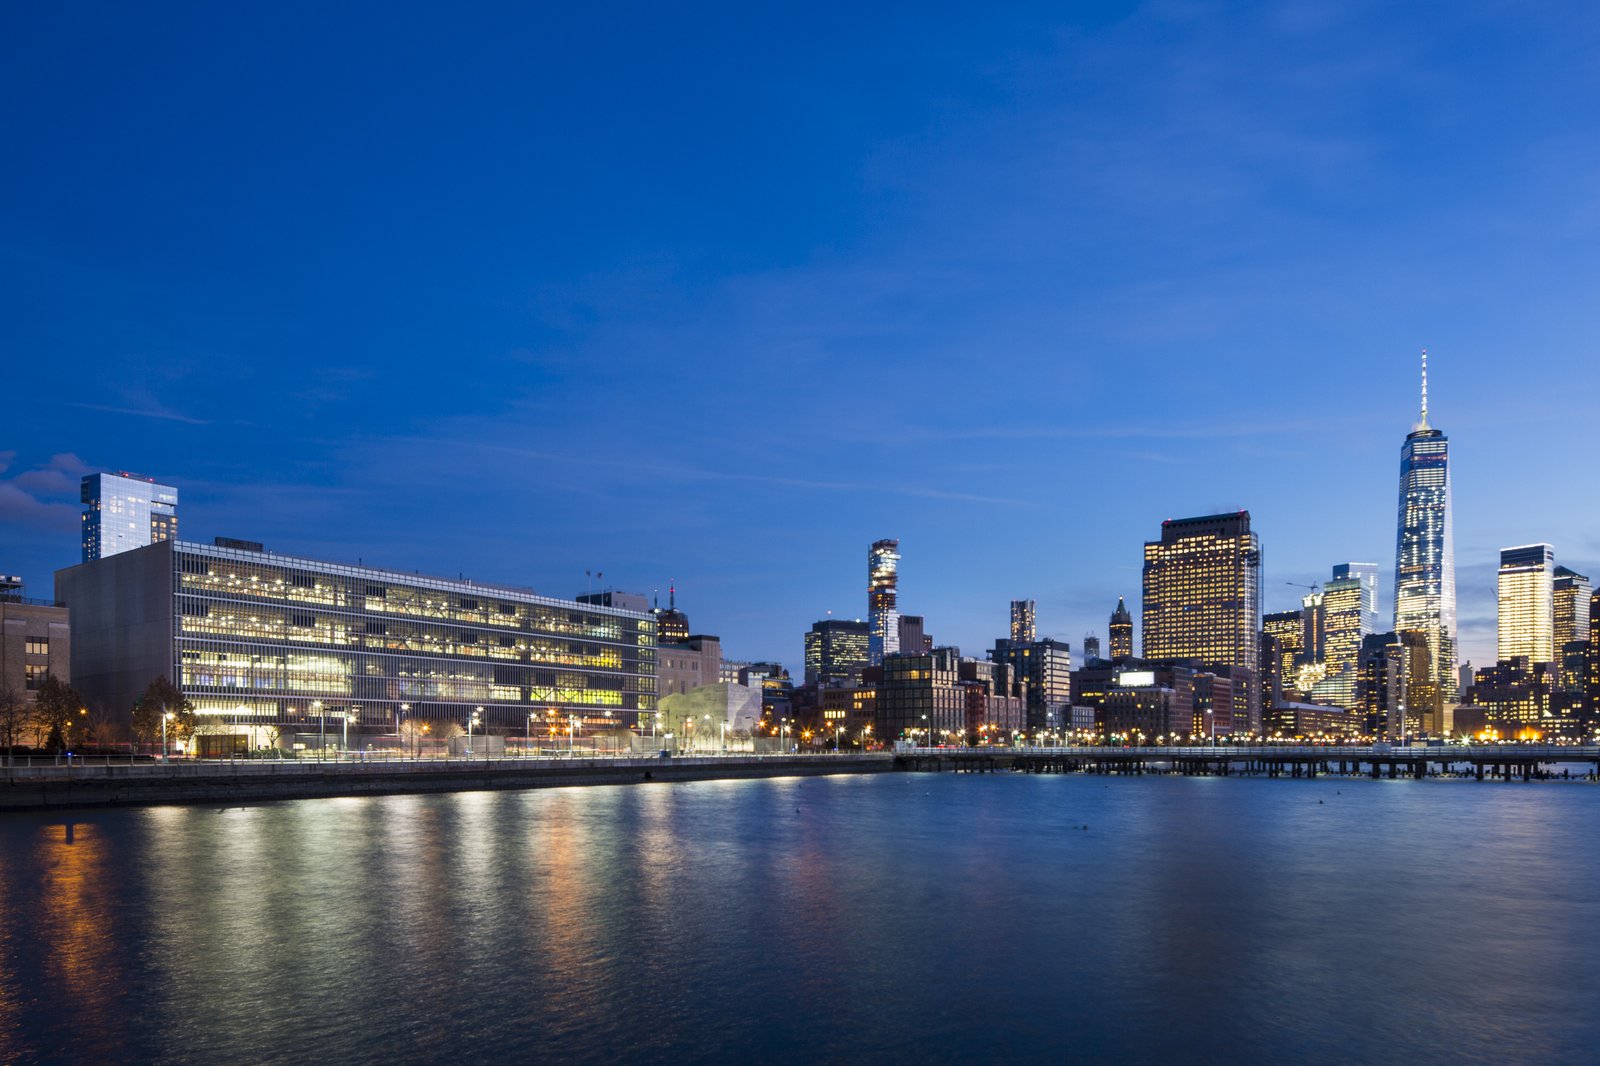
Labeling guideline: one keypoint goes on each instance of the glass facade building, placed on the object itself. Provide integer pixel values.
(1287, 631)
(1570, 606)
(1202, 598)
(125, 511)
(1367, 575)
(1425, 566)
(1349, 607)
(259, 639)
(883, 584)
(836, 652)
(1526, 601)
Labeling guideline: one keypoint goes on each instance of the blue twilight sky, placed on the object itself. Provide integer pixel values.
(721, 294)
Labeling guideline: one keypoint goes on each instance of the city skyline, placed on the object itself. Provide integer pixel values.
(1283, 600)
(527, 357)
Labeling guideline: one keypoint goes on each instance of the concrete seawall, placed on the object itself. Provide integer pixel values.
(53, 788)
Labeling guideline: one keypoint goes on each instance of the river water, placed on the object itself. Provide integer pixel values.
(901, 917)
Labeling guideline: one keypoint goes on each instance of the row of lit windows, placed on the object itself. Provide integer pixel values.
(316, 629)
(200, 575)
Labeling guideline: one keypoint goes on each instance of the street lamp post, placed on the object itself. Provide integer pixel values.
(399, 738)
(472, 720)
(322, 730)
(527, 745)
(164, 749)
(573, 723)
(928, 729)
(348, 716)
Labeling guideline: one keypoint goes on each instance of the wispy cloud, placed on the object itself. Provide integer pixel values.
(143, 412)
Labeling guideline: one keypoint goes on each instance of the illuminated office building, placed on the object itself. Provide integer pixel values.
(1380, 690)
(1287, 632)
(1367, 575)
(1121, 632)
(1024, 627)
(125, 511)
(883, 583)
(268, 644)
(1424, 565)
(1527, 613)
(1202, 598)
(1591, 678)
(836, 652)
(1348, 607)
(1570, 607)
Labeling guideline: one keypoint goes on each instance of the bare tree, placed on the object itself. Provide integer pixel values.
(15, 713)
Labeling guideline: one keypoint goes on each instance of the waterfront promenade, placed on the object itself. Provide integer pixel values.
(112, 783)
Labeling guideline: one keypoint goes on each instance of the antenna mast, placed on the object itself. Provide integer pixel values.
(1424, 388)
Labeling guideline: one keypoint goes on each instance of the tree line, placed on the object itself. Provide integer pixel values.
(59, 719)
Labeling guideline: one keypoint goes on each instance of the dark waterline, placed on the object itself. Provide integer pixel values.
(900, 917)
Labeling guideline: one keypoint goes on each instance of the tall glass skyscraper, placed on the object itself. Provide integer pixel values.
(1527, 609)
(125, 511)
(883, 583)
(1424, 561)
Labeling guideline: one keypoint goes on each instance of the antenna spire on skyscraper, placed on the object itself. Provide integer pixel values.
(1424, 424)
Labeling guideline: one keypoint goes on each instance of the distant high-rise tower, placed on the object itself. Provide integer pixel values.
(1424, 558)
(1287, 632)
(1091, 647)
(1202, 599)
(1527, 613)
(1571, 608)
(125, 511)
(1349, 608)
(1024, 629)
(883, 583)
(1121, 631)
(672, 625)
